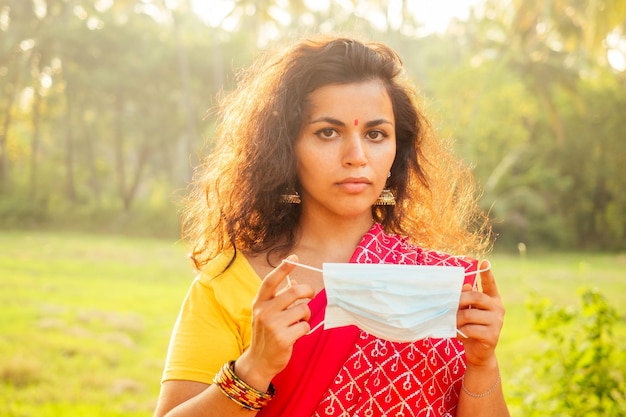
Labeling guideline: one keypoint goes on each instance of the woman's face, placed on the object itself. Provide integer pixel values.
(345, 148)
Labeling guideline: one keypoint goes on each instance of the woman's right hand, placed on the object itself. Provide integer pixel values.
(278, 320)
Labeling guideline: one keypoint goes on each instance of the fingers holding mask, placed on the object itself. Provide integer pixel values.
(487, 280)
(480, 317)
(272, 281)
(279, 317)
(487, 298)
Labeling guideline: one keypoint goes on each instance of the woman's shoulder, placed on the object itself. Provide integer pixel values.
(227, 269)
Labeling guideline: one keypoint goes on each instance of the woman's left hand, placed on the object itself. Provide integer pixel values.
(480, 318)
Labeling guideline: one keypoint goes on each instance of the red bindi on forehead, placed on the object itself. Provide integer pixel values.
(356, 122)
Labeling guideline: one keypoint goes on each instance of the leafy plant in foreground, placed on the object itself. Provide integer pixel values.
(580, 370)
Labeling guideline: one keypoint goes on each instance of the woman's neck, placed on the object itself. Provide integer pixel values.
(319, 240)
(323, 239)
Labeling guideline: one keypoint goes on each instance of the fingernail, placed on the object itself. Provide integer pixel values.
(487, 268)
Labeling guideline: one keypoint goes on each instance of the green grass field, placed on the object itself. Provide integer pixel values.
(86, 319)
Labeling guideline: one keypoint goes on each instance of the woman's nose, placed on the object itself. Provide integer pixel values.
(354, 151)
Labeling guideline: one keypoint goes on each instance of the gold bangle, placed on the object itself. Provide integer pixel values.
(483, 394)
(239, 391)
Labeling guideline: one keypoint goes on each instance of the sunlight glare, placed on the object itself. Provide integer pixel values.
(434, 17)
(4, 18)
(616, 51)
(617, 59)
(317, 5)
(45, 79)
(213, 12)
(102, 5)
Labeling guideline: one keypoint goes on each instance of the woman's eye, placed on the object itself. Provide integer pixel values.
(326, 133)
(376, 135)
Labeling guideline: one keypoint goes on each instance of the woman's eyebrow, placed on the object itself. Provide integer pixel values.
(328, 120)
(336, 122)
(377, 122)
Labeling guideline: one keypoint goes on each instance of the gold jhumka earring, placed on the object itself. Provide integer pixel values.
(290, 196)
(386, 197)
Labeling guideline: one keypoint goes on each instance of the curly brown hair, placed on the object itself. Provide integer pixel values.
(234, 201)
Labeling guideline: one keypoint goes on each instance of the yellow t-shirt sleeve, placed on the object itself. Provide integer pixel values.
(214, 323)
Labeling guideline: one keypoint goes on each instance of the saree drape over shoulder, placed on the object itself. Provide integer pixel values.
(348, 372)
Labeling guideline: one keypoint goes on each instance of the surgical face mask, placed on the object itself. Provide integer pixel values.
(400, 303)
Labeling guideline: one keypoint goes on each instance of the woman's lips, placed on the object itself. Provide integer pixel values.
(354, 185)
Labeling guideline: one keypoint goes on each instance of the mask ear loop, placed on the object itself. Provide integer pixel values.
(318, 325)
(312, 268)
(484, 269)
(477, 272)
(315, 328)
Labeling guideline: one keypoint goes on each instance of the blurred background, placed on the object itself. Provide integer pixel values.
(105, 105)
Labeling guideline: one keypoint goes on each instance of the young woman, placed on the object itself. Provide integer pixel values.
(324, 157)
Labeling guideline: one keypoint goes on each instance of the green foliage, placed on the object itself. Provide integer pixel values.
(580, 369)
(104, 105)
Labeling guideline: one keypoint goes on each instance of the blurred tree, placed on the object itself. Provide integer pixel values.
(103, 103)
(533, 186)
(555, 42)
(18, 21)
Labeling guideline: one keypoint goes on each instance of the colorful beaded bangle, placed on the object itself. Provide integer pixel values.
(237, 390)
